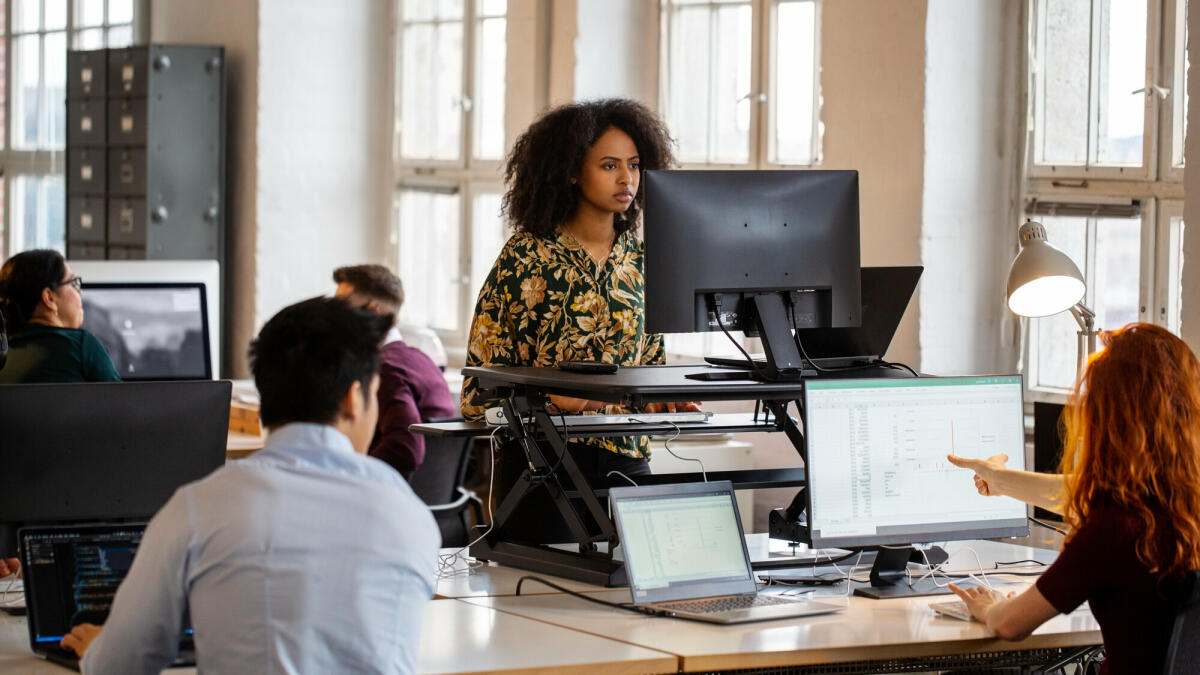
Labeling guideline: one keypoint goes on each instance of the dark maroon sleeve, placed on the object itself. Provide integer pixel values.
(412, 390)
(1093, 559)
(394, 443)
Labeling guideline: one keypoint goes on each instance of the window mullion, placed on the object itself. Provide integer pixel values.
(467, 110)
(1092, 150)
(760, 31)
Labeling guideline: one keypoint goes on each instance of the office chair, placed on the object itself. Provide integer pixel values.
(1183, 651)
(439, 482)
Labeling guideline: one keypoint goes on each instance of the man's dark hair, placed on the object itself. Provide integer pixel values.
(374, 281)
(550, 153)
(308, 355)
(22, 280)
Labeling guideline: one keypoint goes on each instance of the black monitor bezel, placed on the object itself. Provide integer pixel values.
(858, 542)
(204, 320)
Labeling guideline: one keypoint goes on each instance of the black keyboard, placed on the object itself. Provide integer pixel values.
(727, 603)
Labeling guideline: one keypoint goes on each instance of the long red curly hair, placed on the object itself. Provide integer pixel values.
(1132, 439)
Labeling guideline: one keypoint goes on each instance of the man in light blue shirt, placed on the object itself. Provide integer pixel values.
(307, 557)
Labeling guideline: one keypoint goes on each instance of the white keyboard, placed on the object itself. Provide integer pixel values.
(495, 417)
(955, 609)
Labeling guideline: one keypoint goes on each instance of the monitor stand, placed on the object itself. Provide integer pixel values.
(783, 361)
(889, 576)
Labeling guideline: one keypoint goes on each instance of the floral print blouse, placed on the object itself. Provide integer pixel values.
(546, 300)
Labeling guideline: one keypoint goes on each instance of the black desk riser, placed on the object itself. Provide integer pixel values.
(524, 391)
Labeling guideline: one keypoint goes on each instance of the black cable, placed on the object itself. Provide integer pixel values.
(897, 365)
(1019, 562)
(758, 370)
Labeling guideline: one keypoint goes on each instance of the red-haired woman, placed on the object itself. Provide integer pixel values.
(1130, 491)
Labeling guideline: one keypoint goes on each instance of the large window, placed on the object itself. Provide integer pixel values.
(37, 35)
(739, 81)
(450, 94)
(1107, 108)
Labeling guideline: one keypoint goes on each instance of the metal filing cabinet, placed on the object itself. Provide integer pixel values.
(146, 153)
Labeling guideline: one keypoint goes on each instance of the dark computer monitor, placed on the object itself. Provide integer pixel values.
(877, 470)
(97, 451)
(152, 331)
(763, 252)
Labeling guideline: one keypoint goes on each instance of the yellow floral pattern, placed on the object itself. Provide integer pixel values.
(546, 300)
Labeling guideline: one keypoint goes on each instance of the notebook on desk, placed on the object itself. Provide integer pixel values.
(685, 555)
(71, 576)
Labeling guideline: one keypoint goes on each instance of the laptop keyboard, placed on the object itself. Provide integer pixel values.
(727, 603)
(956, 609)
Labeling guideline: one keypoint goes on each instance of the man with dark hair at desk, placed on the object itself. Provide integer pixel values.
(307, 557)
(411, 388)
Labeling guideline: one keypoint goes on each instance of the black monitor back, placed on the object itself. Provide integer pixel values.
(736, 233)
(88, 451)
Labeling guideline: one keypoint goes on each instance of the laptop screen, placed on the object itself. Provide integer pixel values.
(682, 541)
(72, 574)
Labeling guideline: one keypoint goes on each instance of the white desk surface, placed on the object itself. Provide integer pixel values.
(462, 638)
(456, 638)
(865, 630)
(492, 579)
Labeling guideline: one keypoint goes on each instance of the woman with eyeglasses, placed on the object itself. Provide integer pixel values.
(42, 313)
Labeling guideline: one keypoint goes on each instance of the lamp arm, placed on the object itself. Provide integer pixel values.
(1086, 319)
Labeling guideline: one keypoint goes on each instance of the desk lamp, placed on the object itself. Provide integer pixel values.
(1043, 281)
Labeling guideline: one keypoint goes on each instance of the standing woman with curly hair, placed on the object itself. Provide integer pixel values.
(1130, 491)
(568, 285)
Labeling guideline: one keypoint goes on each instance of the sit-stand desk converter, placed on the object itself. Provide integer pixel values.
(524, 391)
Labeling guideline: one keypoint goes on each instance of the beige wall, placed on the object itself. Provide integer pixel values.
(873, 92)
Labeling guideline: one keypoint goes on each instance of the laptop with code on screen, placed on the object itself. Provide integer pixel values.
(71, 574)
(685, 555)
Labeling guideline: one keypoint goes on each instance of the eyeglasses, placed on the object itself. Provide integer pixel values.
(75, 281)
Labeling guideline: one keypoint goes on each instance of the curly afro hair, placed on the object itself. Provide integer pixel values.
(550, 153)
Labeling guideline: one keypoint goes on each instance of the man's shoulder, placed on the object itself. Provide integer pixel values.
(403, 360)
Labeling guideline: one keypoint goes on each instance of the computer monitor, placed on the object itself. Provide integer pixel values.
(94, 451)
(207, 272)
(764, 252)
(152, 331)
(877, 470)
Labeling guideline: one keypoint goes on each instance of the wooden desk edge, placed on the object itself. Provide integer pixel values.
(853, 653)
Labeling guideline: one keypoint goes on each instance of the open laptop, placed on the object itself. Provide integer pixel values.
(685, 555)
(71, 575)
(886, 292)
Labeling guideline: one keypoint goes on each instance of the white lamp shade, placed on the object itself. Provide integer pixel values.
(1042, 280)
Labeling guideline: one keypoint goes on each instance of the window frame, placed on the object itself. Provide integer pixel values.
(1173, 57)
(466, 160)
(1156, 186)
(43, 162)
(763, 83)
(1150, 119)
(467, 176)
(1148, 289)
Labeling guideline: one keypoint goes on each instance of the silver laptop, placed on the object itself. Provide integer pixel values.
(685, 555)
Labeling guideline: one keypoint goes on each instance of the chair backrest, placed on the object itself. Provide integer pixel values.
(444, 468)
(1183, 651)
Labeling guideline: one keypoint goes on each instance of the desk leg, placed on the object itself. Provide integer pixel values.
(585, 565)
